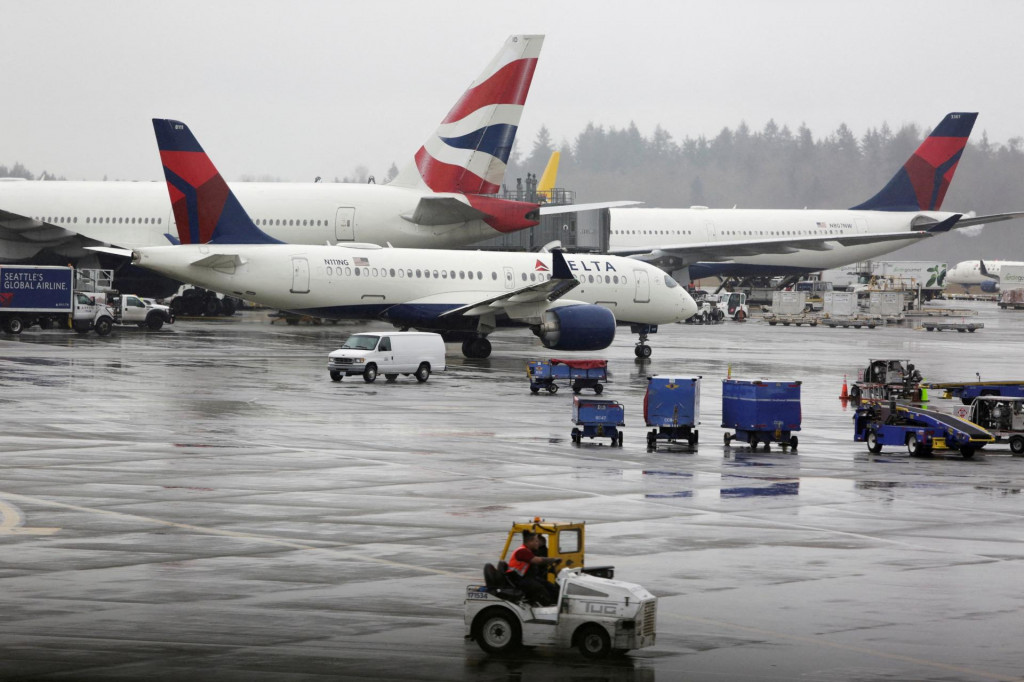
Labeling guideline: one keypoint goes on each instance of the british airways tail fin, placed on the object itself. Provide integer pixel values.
(469, 151)
(205, 209)
(922, 182)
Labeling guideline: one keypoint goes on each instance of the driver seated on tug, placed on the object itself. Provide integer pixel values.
(527, 569)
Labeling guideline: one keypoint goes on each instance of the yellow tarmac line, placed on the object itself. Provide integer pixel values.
(335, 547)
(12, 522)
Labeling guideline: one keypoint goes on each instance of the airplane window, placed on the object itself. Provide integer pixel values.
(607, 279)
(426, 273)
(494, 275)
(435, 274)
(418, 273)
(462, 274)
(159, 221)
(303, 223)
(444, 274)
(401, 274)
(356, 270)
(75, 219)
(408, 273)
(330, 271)
(590, 278)
(375, 272)
(480, 275)
(452, 273)
(524, 276)
(348, 272)
(86, 221)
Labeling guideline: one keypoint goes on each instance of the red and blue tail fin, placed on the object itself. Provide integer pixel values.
(922, 182)
(469, 151)
(205, 209)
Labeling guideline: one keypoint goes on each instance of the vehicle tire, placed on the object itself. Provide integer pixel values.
(855, 392)
(104, 325)
(390, 378)
(497, 631)
(576, 390)
(178, 306)
(211, 307)
(1017, 445)
(728, 438)
(13, 325)
(693, 438)
(291, 320)
(228, 306)
(81, 328)
(619, 439)
(598, 389)
(874, 447)
(335, 376)
(45, 323)
(740, 316)
(772, 323)
(914, 447)
(422, 372)
(652, 441)
(576, 435)
(552, 388)
(370, 373)
(752, 441)
(793, 442)
(643, 351)
(534, 389)
(593, 641)
(967, 451)
(154, 322)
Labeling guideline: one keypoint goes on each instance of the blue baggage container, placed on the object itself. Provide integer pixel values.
(582, 373)
(672, 404)
(598, 419)
(761, 411)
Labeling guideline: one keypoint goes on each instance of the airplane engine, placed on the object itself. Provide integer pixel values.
(577, 327)
(990, 286)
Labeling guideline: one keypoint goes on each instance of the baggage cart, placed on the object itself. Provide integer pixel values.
(582, 373)
(672, 405)
(597, 419)
(761, 411)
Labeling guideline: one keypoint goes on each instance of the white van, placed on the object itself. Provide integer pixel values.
(390, 354)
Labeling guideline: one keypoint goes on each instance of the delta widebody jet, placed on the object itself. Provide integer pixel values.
(439, 200)
(571, 302)
(704, 242)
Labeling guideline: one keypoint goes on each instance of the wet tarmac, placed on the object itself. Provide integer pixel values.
(205, 503)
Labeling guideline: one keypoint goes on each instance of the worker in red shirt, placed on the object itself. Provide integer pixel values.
(533, 583)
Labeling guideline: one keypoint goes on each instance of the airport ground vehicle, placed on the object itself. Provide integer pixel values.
(388, 353)
(885, 379)
(196, 302)
(582, 373)
(713, 308)
(46, 295)
(595, 613)
(1001, 416)
(967, 391)
(129, 309)
(597, 419)
(672, 404)
(761, 411)
(918, 428)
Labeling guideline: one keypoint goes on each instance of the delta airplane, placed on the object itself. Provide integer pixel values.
(464, 294)
(753, 242)
(983, 274)
(437, 201)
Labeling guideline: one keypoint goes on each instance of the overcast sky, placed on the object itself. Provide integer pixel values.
(295, 88)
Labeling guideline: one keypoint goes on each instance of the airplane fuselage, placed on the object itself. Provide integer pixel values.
(413, 286)
(137, 214)
(655, 229)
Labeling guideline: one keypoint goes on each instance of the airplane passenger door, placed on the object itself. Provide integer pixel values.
(643, 287)
(300, 276)
(510, 278)
(712, 233)
(345, 224)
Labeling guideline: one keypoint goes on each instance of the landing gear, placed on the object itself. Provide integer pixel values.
(479, 347)
(642, 350)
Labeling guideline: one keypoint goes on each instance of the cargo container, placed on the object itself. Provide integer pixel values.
(761, 411)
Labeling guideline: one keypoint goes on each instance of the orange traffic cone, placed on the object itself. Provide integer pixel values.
(845, 394)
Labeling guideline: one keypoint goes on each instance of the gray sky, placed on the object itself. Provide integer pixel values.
(297, 88)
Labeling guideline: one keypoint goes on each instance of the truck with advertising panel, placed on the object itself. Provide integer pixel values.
(45, 295)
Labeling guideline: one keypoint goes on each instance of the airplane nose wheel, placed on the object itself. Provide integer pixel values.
(642, 350)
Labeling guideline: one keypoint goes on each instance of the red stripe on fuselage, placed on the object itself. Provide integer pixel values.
(509, 85)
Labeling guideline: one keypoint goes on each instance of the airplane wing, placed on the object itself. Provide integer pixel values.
(725, 251)
(579, 208)
(443, 210)
(23, 237)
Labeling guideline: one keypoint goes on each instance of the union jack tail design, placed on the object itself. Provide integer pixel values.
(469, 151)
(922, 182)
(205, 209)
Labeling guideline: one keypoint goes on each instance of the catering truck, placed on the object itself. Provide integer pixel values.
(45, 295)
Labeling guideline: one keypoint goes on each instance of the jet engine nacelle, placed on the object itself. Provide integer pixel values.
(989, 286)
(577, 327)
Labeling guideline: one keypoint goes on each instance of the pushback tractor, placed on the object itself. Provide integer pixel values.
(594, 612)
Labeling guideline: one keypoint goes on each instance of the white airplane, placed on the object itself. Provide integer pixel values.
(463, 294)
(439, 200)
(982, 274)
(752, 242)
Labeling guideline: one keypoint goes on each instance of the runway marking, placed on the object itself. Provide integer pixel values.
(335, 547)
(12, 522)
